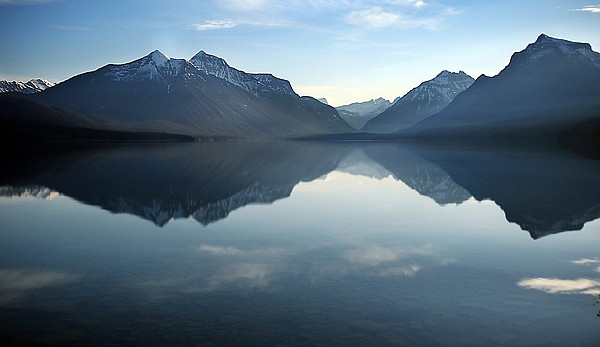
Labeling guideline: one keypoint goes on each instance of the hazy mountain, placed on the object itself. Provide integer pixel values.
(359, 113)
(155, 93)
(550, 86)
(30, 87)
(323, 100)
(428, 98)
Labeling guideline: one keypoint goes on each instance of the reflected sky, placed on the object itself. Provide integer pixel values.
(349, 255)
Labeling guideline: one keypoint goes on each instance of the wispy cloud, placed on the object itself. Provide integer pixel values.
(588, 8)
(215, 24)
(23, 2)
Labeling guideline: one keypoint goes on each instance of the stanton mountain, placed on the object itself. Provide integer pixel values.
(158, 94)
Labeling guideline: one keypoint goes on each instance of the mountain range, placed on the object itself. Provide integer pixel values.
(549, 90)
(30, 87)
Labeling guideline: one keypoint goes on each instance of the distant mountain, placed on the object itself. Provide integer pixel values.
(550, 86)
(323, 100)
(158, 94)
(359, 113)
(428, 98)
(30, 87)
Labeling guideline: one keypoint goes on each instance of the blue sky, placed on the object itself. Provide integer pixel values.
(344, 50)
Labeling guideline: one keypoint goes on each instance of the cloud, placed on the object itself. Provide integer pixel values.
(215, 24)
(379, 18)
(375, 18)
(589, 8)
(561, 286)
(242, 5)
(23, 2)
(410, 3)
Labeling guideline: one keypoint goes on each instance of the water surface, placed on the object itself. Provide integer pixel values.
(299, 244)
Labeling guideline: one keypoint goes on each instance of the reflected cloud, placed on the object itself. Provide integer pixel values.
(14, 283)
(562, 286)
(376, 255)
(381, 261)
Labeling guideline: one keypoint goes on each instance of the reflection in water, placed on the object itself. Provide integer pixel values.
(544, 193)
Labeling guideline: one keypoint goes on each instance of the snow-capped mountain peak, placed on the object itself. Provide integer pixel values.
(154, 66)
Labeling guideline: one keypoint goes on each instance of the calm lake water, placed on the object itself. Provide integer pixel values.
(284, 244)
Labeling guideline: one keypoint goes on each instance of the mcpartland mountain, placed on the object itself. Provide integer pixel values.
(203, 97)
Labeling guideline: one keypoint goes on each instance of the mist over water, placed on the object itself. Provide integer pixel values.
(299, 244)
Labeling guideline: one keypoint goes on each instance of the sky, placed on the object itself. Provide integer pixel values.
(343, 50)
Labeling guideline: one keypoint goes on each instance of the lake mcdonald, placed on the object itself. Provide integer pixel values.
(298, 243)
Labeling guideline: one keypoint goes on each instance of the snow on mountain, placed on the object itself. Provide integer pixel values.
(256, 84)
(359, 113)
(421, 102)
(30, 87)
(154, 66)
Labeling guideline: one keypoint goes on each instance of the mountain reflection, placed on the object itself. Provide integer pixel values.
(543, 192)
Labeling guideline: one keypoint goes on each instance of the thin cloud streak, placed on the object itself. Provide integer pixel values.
(589, 8)
(215, 25)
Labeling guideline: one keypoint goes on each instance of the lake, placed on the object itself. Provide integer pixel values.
(289, 243)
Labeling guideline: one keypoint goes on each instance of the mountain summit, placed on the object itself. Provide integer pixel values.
(421, 102)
